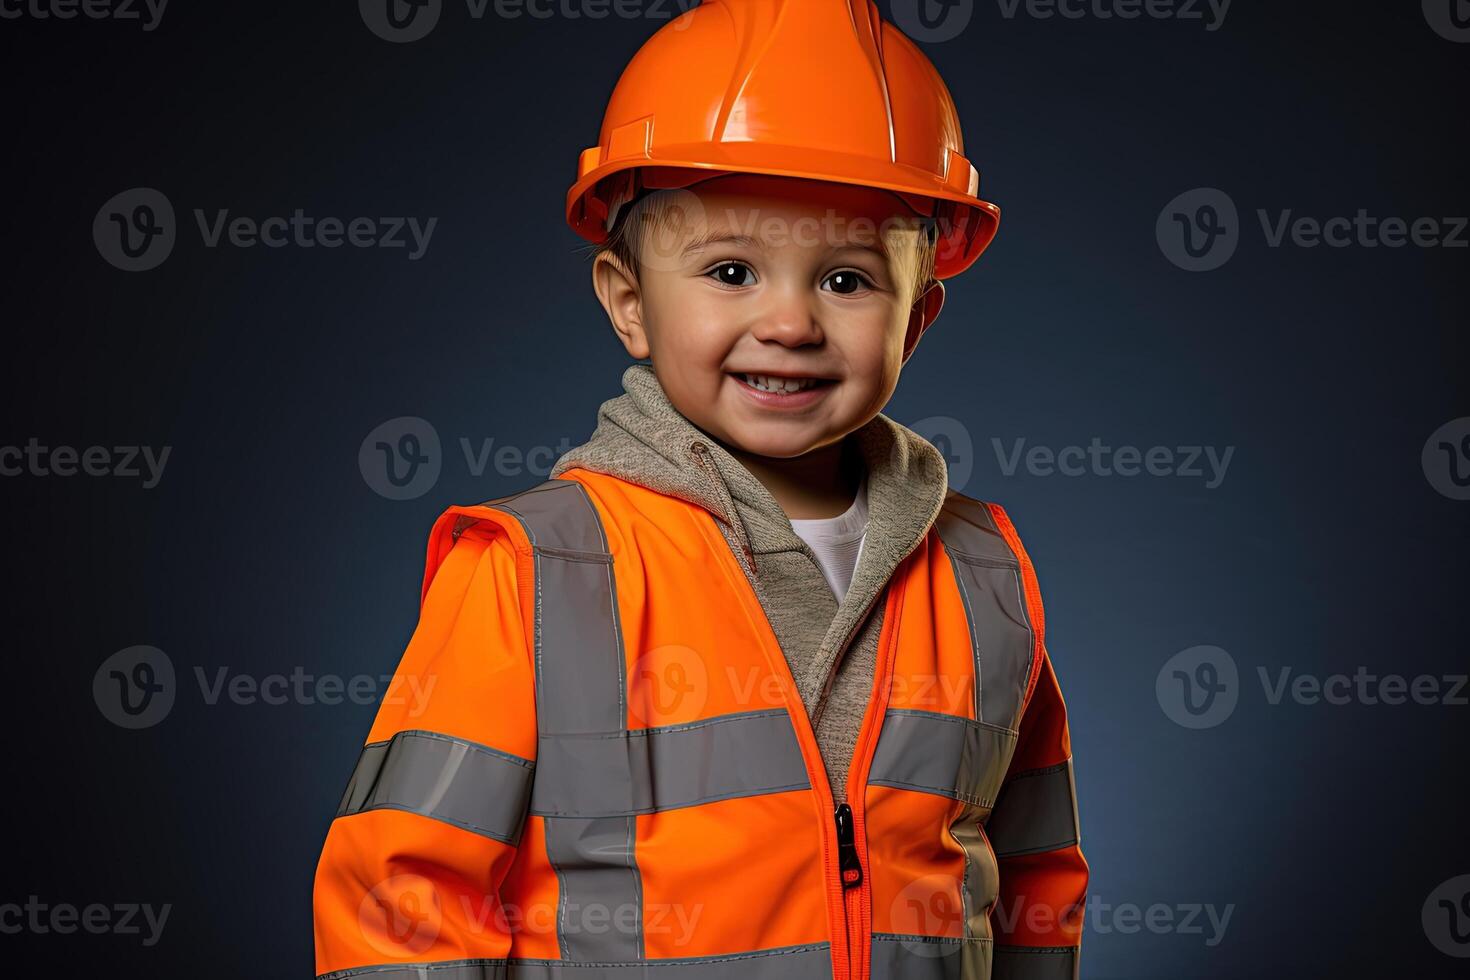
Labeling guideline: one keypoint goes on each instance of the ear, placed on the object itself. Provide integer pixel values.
(618, 292)
(922, 316)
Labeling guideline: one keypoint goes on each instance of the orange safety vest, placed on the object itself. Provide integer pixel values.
(608, 771)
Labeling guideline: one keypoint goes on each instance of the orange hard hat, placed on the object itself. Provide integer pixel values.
(818, 89)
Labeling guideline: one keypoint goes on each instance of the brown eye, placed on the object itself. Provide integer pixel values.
(732, 274)
(846, 282)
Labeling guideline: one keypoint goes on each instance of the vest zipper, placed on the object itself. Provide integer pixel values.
(847, 856)
(848, 886)
(858, 895)
(851, 868)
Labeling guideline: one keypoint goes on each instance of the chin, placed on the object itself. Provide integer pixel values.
(777, 445)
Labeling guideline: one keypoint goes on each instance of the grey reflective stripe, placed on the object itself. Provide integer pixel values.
(579, 645)
(960, 759)
(600, 911)
(447, 970)
(1037, 812)
(581, 690)
(784, 963)
(447, 779)
(1004, 647)
(929, 958)
(647, 770)
(1036, 963)
(980, 886)
(963, 760)
(989, 578)
(943, 754)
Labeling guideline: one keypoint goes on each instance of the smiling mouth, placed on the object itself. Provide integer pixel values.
(779, 385)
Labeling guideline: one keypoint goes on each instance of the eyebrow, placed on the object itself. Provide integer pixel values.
(877, 249)
(706, 240)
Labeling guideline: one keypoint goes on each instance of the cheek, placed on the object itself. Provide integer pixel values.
(875, 344)
(689, 324)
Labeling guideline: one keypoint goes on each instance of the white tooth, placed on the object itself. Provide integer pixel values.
(767, 382)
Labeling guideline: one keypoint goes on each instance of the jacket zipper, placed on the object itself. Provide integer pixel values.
(848, 905)
(847, 856)
(858, 898)
(851, 868)
(849, 886)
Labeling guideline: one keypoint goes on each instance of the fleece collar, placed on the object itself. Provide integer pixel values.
(642, 438)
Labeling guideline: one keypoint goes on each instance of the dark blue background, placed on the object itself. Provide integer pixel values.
(263, 549)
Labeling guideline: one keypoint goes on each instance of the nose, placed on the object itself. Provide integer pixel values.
(788, 318)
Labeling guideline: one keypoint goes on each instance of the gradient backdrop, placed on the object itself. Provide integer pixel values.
(1334, 541)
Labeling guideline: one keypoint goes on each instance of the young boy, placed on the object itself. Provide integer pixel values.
(743, 689)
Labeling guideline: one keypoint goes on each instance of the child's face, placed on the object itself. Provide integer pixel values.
(774, 276)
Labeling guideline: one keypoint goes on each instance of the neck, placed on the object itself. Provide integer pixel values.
(818, 484)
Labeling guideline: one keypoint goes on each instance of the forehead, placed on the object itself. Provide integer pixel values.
(788, 213)
(757, 206)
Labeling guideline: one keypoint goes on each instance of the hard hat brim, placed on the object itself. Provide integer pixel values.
(966, 227)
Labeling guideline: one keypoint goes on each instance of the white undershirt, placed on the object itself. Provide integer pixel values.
(838, 541)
